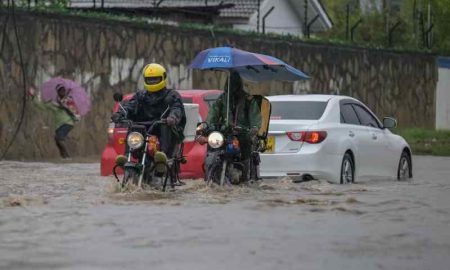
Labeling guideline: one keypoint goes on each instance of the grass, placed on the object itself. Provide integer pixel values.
(427, 141)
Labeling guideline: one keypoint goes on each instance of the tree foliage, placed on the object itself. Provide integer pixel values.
(412, 20)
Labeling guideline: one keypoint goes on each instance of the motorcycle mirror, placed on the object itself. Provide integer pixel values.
(118, 97)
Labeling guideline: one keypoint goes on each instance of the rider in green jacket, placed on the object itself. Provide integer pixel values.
(244, 112)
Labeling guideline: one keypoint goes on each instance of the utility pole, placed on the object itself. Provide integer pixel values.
(347, 19)
(305, 24)
(354, 28)
(429, 25)
(385, 16)
(308, 28)
(264, 19)
(258, 14)
(391, 31)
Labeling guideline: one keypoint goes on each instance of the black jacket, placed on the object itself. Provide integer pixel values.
(146, 106)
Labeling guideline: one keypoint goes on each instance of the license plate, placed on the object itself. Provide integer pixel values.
(270, 147)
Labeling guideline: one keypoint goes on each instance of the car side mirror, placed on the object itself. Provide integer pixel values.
(118, 97)
(389, 122)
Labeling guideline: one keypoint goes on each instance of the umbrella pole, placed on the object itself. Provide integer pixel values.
(228, 98)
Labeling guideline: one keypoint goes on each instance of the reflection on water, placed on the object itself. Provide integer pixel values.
(55, 216)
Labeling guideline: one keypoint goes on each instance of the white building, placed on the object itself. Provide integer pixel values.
(286, 16)
(443, 94)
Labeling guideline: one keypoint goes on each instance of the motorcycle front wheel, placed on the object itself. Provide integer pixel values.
(214, 174)
(129, 175)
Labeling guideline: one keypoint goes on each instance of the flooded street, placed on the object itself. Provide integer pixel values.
(65, 216)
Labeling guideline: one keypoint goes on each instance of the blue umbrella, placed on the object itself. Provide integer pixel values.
(251, 66)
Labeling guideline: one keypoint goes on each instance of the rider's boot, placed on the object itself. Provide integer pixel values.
(245, 171)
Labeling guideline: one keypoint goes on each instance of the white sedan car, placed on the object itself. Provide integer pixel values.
(335, 138)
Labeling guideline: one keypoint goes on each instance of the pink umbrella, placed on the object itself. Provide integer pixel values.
(74, 90)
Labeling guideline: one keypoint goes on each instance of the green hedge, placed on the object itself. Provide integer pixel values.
(426, 141)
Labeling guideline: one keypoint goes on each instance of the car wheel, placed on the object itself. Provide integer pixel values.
(404, 167)
(347, 169)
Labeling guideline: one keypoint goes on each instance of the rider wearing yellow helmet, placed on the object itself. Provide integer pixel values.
(155, 77)
(154, 103)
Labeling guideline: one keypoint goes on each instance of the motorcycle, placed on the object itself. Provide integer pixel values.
(144, 163)
(224, 148)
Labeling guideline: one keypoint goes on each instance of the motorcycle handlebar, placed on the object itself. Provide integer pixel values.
(146, 123)
(151, 124)
(240, 129)
(223, 128)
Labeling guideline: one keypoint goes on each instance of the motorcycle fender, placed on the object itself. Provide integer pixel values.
(134, 166)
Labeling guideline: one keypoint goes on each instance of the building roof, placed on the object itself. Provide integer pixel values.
(241, 8)
(225, 9)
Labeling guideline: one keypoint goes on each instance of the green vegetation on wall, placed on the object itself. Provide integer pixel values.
(370, 33)
(413, 24)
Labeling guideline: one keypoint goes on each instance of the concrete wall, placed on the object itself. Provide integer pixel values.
(107, 57)
(443, 95)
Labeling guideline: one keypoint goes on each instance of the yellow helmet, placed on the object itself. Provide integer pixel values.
(155, 77)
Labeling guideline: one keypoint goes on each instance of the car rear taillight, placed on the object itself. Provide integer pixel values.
(307, 136)
(111, 132)
(315, 136)
(296, 136)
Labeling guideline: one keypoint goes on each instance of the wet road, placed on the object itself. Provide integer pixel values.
(64, 216)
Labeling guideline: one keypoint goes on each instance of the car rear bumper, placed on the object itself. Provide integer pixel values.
(319, 165)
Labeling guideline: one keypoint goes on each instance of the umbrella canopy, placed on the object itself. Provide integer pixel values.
(251, 66)
(74, 90)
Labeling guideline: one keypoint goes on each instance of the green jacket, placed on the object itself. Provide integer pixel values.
(60, 116)
(246, 113)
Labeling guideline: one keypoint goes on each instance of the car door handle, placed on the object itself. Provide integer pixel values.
(351, 134)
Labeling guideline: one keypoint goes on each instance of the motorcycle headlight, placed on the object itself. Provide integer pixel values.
(135, 140)
(215, 139)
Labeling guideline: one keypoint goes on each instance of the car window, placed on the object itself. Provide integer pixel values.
(298, 110)
(365, 117)
(211, 98)
(348, 115)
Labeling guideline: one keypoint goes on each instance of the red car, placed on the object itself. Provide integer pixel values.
(194, 152)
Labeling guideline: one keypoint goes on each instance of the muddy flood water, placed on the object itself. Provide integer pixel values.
(65, 216)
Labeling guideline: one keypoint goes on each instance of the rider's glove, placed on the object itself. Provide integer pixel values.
(202, 140)
(116, 117)
(201, 129)
(171, 121)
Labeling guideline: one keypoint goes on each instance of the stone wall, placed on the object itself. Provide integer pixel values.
(108, 56)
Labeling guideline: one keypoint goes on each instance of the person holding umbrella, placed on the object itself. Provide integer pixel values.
(64, 116)
(63, 98)
(244, 112)
(250, 66)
